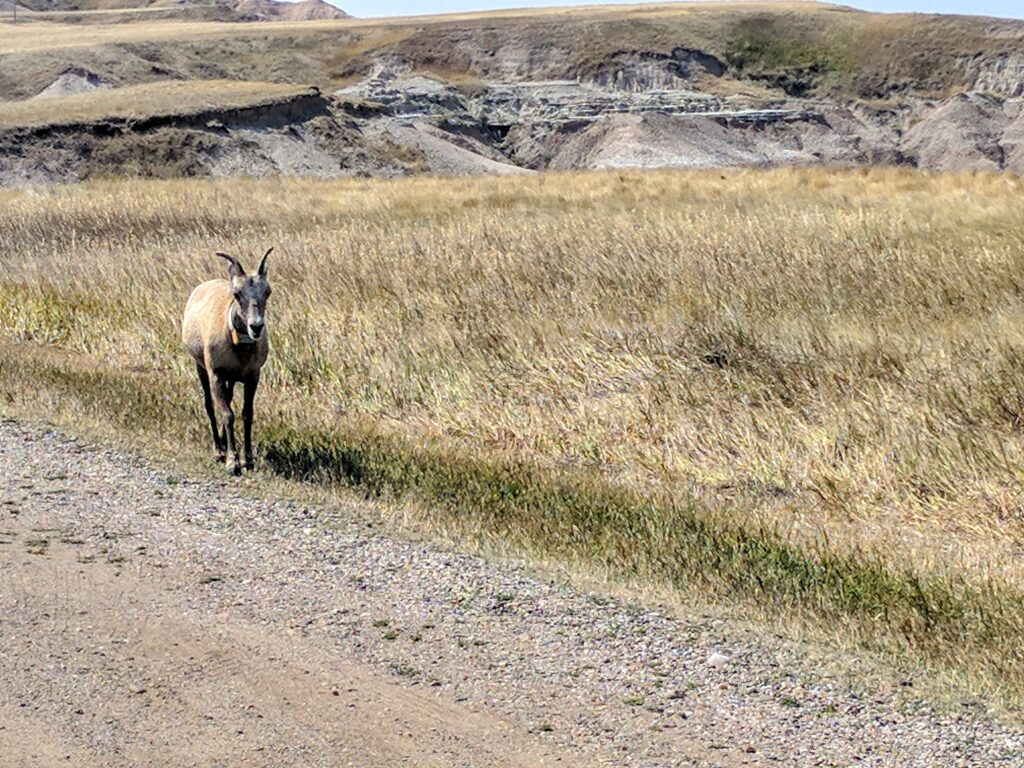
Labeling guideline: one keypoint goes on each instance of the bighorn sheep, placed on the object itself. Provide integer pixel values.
(224, 330)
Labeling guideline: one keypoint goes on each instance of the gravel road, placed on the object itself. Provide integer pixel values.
(148, 619)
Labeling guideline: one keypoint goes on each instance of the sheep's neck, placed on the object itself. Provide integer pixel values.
(236, 337)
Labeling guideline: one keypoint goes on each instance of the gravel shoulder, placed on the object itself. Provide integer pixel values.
(150, 619)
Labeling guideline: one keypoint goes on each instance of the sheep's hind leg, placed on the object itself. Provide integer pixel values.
(218, 445)
(247, 413)
(222, 392)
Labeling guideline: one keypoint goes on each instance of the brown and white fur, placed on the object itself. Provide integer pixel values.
(224, 330)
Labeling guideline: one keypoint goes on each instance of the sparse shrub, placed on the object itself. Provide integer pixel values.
(761, 50)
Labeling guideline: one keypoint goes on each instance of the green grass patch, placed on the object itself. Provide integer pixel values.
(759, 51)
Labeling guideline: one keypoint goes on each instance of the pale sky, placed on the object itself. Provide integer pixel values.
(367, 8)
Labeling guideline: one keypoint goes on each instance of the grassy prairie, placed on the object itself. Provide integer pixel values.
(155, 99)
(799, 391)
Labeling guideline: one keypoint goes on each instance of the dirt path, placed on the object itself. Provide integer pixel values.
(151, 620)
(132, 676)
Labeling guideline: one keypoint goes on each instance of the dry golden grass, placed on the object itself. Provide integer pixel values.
(835, 358)
(23, 38)
(605, 9)
(823, 347)
(156, 99)
(28, 38)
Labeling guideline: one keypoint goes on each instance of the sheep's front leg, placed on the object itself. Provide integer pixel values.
(247, 413)
(204, 379)
(222, 393)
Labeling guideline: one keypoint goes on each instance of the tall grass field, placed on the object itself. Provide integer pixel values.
(797, 392)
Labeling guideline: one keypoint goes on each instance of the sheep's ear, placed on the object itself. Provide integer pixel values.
(263, 262)
(235, 270)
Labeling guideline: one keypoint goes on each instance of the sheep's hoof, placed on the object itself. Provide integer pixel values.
(249, 465)
(220, 457)
(235, 468)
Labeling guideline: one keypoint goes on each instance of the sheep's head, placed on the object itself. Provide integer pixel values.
(251, 294)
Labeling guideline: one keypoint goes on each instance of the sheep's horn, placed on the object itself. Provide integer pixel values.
(263, 263)
(235, 270)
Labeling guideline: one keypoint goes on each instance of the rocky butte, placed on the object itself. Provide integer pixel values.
(676, 85)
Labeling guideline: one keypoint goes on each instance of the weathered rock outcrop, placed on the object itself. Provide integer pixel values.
(398, 121)
(297, 135)
(967, 132)
(1001, 75)
(572, 124)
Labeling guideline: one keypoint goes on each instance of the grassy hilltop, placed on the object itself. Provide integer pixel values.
(797, 392)
(797, 47)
